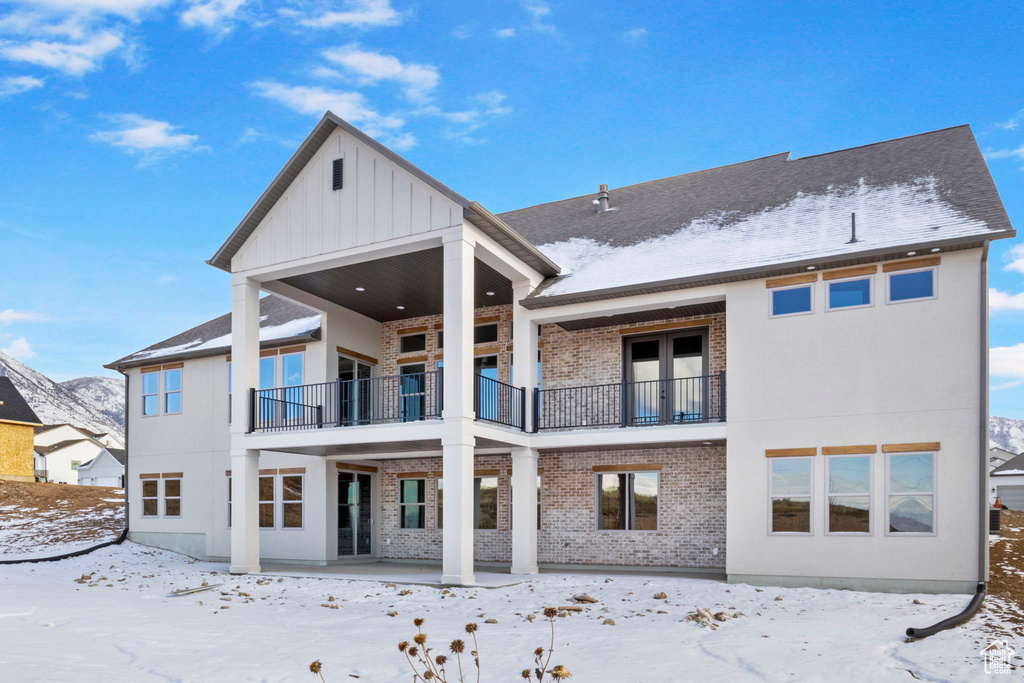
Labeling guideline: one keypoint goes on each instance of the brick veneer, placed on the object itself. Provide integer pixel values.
(691, 510)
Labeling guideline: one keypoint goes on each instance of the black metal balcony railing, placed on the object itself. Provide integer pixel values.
(397, 398)
(499, 402)
(654, 402)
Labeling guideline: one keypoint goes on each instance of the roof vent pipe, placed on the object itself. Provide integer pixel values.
(602, 199)
(853, 229)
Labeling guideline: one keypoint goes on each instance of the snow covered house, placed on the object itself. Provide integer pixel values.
(17, 423)
(774, 370)
(999, 456)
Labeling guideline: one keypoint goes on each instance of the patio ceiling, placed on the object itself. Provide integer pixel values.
(414, 281)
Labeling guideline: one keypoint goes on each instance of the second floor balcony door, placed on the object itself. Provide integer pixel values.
(666, 376)
(356, 400)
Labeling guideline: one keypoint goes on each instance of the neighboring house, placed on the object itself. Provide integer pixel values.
(709, 372)
(106, 469)
(998, 456)
(62, 459)
(108, 439)
(47, 435)
(17, 423)
(1007, 483)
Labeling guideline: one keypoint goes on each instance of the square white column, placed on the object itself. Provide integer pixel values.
(245, 354)
(459, 276)
(525, 345)
(524, 511)
(457, 537)
(245, 527)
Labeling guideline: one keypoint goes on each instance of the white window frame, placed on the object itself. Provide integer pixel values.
(230, 511)
(142, 380)
(497, 502)
(934, 494)
(145, 498)
(869, 493)
(180, 391)
(871, 293)
(272, 502)
(810, 496)
(166, 497)
(279, 495)
(423, 504)
(935, 285)
(597, 504)
(771, 300)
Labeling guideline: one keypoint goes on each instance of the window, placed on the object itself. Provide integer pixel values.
(790, 495)
(266, 489)
(539, 489)
(412, 499)
(412, 391)
(291, 376)
(150, 492)
(75, 464)
(268, 380)
(792, 301)
(627, 501)
(911, 285)
(291, 501)
(172, 391)
(229, 502)
(485, 503)
(850, 293)
(151, 393)
(412, 342)
(440, 339)
(849, 494)
(911, 493)
(172, 497)
(229, 392)
(484, 334)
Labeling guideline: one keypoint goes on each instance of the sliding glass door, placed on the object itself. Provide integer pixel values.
(355, 514)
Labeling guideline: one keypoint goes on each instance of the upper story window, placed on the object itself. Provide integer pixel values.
(151, 386)
(408, 343)
(172, 391)
(485, 334)
(151, 393)
(852, 292)
(790, 495)
(911, 285)
(796, 300)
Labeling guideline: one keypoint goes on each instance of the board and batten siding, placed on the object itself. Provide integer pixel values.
(379, 201)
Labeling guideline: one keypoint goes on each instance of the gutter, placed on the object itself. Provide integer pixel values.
(308, 338)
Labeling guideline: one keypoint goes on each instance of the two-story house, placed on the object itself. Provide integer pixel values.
(775, 369)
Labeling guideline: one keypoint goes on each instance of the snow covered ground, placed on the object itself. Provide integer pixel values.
(120, 624)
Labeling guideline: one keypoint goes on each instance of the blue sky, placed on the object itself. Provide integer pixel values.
(135, 134)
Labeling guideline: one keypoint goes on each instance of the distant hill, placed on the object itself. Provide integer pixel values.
(1007, 433)
(106, 394)
(55, 403)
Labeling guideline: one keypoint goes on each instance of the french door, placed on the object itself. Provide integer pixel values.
(355, 514)
(667, 377)
(356, 397)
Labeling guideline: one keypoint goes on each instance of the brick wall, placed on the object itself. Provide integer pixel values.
(16, 454)
(691, 511)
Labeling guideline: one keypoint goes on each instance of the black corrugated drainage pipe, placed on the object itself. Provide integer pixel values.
(84, 551)
(956, 620)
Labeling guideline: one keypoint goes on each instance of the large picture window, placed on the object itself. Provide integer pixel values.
(849, 494)
(627, 501)
(412, 498)
(790, 499)
(911, 493)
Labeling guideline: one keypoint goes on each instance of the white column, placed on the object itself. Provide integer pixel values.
(458, 440)
(524, 511)
(245, 529)
(245, 354)
(525, 344)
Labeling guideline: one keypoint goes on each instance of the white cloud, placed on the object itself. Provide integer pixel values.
(359, 13)
(19, 348)
(149, 138)
(129, 9)
(483, 105)
(1004, 301)
(1017, 153)
(215, 16)
(1012, 123)
(539, 11)
(418, 80)
(253, 134)
(11, 315)
(463, 32)
(1016, 256)
(15, 85)
(637, 33)
(505, 33)
(75, 59)
(1007, 361)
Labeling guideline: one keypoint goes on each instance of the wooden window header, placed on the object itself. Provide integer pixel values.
(419, 329)
(292, 349)
(486, 349)
(849, 272)
(791, 280)
(422, 358)
(172, 366)
(487, 319)
(150, 476)
(636, 467)
(486, 473)
(292, 470)
(173, 475)
(789, 452)
(357, 468)
(849, 450)
(908, 265)
(911, 447)
(357, 355)
(267, 353)
(413, 475)
(659, 327)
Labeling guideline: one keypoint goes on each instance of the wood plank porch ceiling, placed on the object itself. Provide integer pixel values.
(414, 280)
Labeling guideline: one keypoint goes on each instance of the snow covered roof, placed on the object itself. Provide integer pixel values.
(1013, 466)
(13, 406)
(758, 216)
(281, 322)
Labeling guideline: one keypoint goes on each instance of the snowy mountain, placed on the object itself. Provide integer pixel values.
(55, 404)
(105, 394)
(1007, 433)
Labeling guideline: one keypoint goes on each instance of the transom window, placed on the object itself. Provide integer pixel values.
(412, 498)
(792, 300)
(911, 493)
(412, 342)
(849, 494)
(850, 293)
(911, 285)
(627, 501)
(485, 334)
(790, 495)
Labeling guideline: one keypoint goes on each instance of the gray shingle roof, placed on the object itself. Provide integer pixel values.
(281, 322)
(13, 406)
(1016, 463)
(925, 188)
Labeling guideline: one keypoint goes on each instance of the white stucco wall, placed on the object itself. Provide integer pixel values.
(897, 373)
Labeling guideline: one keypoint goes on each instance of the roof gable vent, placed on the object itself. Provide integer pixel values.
(336, 176)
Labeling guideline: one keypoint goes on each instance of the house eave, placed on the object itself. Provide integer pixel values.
(209, 353)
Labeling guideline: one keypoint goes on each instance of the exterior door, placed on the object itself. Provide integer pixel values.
(355, 514)
(355, 399)
(666, 377)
